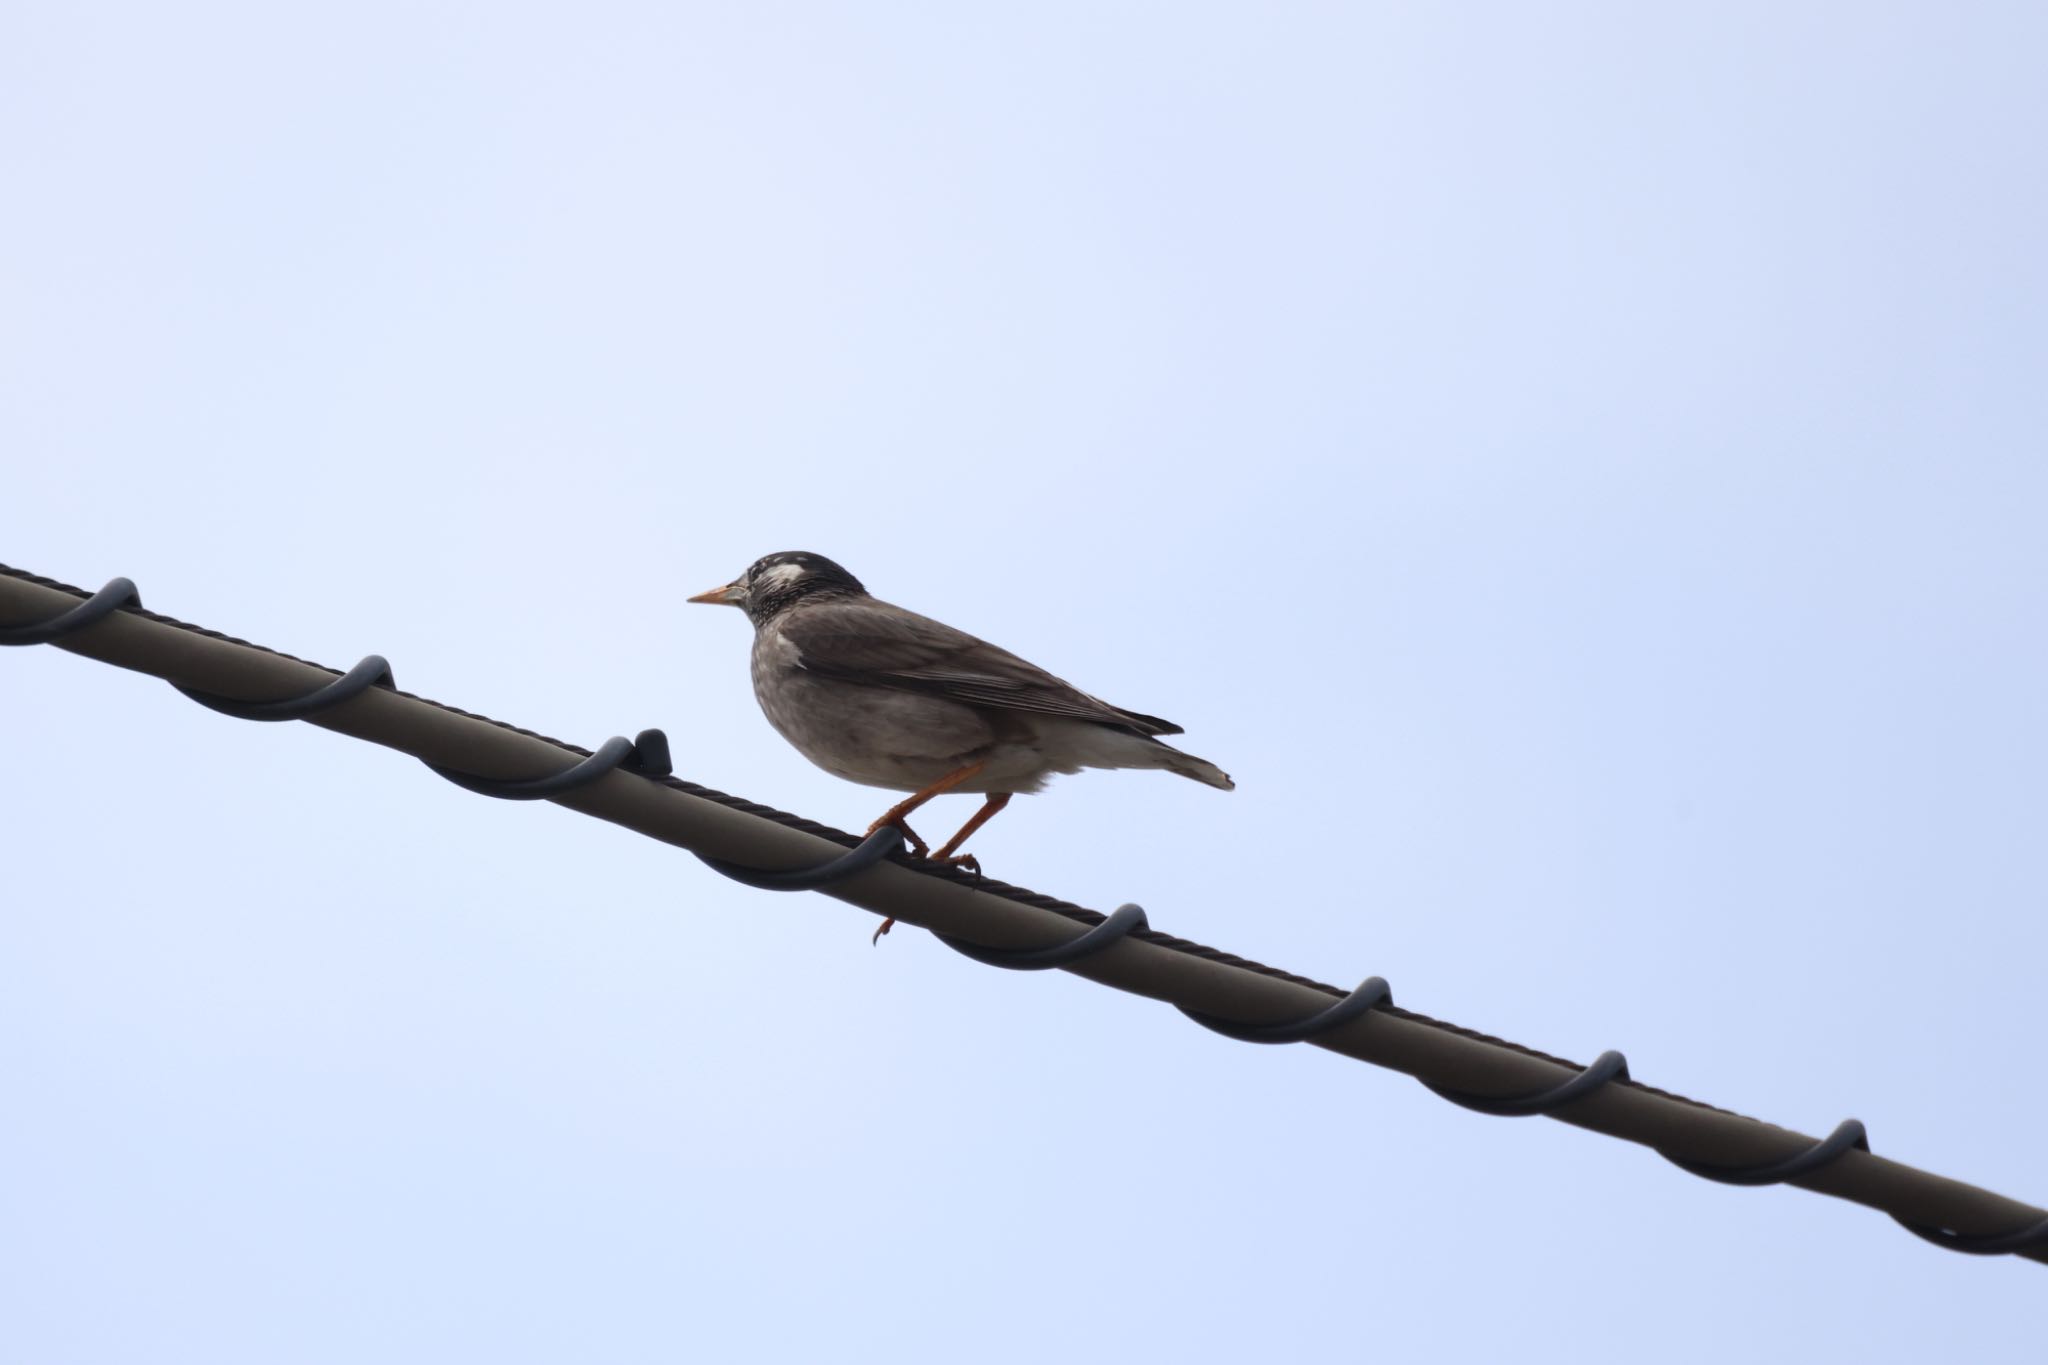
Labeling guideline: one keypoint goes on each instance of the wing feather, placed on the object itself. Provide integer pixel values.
(879, 645)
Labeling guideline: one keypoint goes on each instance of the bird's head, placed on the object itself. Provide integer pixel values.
(774, 583)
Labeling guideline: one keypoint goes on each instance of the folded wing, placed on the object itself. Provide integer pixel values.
(899, 649)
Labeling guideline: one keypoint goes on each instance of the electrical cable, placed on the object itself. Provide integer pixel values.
(630, 783)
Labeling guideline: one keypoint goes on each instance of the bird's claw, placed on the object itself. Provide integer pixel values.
(944, 859)
(966, 861)
(918, 847)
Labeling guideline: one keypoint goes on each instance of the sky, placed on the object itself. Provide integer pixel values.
(1579, 467)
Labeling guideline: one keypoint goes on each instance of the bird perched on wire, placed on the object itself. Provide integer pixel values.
(887, 698)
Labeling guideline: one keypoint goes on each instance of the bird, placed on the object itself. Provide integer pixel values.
(884, 697)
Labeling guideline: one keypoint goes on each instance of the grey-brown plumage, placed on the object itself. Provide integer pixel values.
(885, 697)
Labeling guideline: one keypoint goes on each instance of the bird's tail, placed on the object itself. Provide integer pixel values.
(1200, 769)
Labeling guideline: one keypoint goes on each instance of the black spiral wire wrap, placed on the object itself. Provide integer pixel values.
(371, 672)
(1121, 923)
(645, 754)
(119, 592)
(871, 850)
(1369, 994)
(1995, 1244)
(1848, 1135)
(648, 756)
(1607, 1067)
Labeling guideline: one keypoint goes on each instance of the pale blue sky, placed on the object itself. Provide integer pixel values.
(1580, 467)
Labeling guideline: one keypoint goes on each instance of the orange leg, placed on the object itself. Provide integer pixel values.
(899, 815)
(899, 812)
(996, 801)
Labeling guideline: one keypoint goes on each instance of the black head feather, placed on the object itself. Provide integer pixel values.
(778, 582)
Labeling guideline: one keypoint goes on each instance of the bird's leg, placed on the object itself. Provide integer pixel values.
(899, 812)
(898, 815)
(996, 801)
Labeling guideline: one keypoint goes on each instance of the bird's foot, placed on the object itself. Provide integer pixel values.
(961, 860)
(918, 847)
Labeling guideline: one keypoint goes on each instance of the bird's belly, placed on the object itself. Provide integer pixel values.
(872, 735)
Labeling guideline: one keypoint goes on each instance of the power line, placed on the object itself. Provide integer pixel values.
(629, 783)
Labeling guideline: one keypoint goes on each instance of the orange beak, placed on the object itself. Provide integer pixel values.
(727, 596)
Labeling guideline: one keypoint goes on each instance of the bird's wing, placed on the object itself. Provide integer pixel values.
(880, 645)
